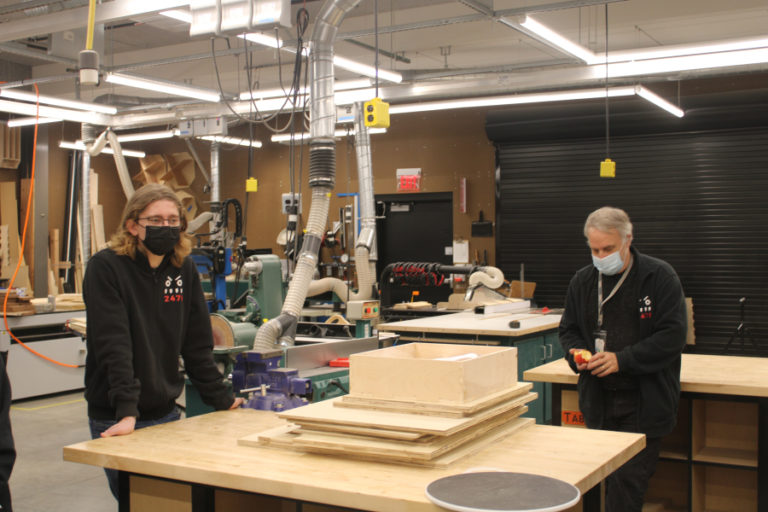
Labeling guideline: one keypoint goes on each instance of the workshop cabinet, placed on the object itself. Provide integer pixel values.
(709, 462)
(533, 352)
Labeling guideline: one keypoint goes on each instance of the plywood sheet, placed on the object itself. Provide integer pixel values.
(365, 431)
(472, 324)
(440, 453)
(327, 412)
(435, 409)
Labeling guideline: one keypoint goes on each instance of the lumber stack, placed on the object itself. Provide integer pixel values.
(433, 425)
(17, 305)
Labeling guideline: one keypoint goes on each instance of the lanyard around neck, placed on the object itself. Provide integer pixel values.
(600, 301)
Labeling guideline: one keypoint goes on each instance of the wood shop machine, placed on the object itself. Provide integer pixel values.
(315, 368)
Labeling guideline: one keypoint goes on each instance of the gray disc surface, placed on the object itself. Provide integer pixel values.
(499, 491)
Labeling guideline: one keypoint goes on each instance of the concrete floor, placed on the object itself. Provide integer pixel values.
(41, 480)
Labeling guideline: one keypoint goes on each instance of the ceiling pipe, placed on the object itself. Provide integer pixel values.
(322, 173)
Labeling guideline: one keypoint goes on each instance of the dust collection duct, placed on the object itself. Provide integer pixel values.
(322, 173)
(365, 248)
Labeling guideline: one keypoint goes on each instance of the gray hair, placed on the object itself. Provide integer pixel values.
(607, 218)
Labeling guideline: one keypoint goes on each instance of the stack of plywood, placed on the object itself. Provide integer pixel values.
(422, 403)
(16, 306)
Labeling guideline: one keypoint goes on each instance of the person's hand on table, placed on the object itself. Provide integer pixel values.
(123, 427)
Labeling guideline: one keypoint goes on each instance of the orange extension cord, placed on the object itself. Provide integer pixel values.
(23, 242)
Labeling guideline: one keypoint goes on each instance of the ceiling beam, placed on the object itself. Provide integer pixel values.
(77, 18)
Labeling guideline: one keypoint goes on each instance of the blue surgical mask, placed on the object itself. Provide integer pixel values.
(610, 265)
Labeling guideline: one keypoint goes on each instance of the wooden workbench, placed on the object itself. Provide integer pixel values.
(199, 459)
(722, 433)
(469, 323)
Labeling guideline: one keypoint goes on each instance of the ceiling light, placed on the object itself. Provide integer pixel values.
(278, 92)
(135, 137)
(59, 102)
(658, 101)
(232, 140)
(178, 14)
(163, 86)
(287, 137)
(28, 109)
(546, 35)
(683, 63)
(364, 69)
(517, 99)
(27, 121)
(682, 50)
(520, 99)
(81, 147)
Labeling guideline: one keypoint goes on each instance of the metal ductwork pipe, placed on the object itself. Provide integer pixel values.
(88, 135)
(322, 172)
(365, 248)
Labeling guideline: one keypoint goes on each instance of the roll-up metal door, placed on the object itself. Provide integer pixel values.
(698, 200)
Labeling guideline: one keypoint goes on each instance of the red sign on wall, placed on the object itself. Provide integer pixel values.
(408, 180)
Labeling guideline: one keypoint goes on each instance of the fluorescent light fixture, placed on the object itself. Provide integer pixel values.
(27, 121)
(658, 101)
(135, 137)
(684, 63)
(546, 35)
(164, 87)
(277, 92)
(517, 99)
(178, 14)
(341, 85)
(349, 97)
(364, 69)
(286, 137)
(28, 109)
(521, 99)
(81, 147)
(59, 102)
(684, 50)
(235, 141)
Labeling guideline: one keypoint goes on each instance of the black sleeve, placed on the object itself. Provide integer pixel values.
(109, 335)
(7, 447)
(197, 347)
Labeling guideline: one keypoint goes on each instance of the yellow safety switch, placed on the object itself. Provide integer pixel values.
(607, 168)
(251, 185)
(376, 113)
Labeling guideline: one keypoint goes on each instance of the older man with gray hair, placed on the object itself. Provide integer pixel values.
(628, 310)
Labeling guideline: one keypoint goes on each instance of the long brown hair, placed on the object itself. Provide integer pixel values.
(124, 243)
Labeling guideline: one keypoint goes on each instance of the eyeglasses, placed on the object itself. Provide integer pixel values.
(157, 220)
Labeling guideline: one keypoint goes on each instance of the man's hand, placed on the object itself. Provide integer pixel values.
(579, 366)
(123, 427)
(602, 364)
(237, 403)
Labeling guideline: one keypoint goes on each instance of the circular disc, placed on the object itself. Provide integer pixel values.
(498, 491)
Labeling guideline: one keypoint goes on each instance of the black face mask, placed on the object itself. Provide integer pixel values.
(160, 240)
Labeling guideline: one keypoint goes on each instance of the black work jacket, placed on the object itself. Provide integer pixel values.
(654, 359)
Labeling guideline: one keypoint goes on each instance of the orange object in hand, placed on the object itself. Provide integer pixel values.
(582, 356)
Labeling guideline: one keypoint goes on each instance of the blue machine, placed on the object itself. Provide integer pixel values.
(273, 388)
(216, 262)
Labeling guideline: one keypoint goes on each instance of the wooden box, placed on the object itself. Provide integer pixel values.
(433, 372)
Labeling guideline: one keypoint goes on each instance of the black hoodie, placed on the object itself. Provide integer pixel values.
(140, 320)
